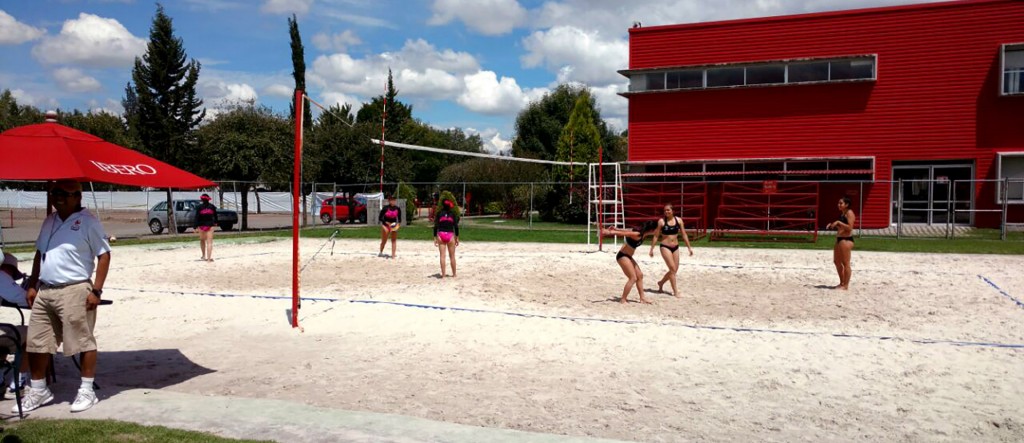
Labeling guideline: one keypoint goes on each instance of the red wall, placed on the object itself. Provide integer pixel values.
(936, 94)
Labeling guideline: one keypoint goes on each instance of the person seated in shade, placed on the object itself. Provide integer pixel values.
(14, 293)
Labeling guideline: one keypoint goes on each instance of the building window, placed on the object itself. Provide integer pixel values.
(766, 74)
(693, 78)
(756, 74)
(1013, 69)
(718, 77)
(802, 72)
(1011, 168)
(656, 81)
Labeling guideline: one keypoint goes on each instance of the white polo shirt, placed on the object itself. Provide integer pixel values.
(11, 291)
(69, 247)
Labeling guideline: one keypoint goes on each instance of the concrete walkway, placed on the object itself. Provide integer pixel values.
(276, 420)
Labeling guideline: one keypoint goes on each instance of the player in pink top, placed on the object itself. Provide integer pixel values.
(390, 219)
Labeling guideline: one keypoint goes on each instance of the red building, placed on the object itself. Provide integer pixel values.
(851, 100)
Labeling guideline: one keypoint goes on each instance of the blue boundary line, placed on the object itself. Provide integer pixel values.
(599, 319)
(1019, 303)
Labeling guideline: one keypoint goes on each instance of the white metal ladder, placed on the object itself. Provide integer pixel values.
(605, 202)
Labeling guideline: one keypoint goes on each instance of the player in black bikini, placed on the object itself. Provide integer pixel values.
(668, 230)
(634, 238)
(844, 242)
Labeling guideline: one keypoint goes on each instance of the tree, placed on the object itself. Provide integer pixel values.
(164, 108)
(299, 70)
(580, 140)
(398, 113)
(13, 115)
(248, 143)
(540, 124)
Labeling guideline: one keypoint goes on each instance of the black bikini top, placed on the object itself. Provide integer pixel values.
(634, 243)
(668, 229)
(842, 218)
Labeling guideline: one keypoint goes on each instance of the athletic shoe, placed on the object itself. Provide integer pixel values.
(33, 400)
(84, 400)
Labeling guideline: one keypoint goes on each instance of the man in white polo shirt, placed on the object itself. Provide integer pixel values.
(70, 246)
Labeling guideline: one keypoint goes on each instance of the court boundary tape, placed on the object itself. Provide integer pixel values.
(1019, 303)
(923, 341)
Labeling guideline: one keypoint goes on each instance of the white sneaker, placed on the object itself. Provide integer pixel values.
(84, 400)
(33, 400)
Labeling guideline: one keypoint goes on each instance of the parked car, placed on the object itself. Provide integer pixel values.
(185, 215)
(336, 208)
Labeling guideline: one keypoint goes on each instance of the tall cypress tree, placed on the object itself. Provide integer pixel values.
(166, 110)
(299, 71)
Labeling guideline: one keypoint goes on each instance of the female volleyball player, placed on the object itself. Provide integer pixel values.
(390, 221)
(633, 238)
(844, 242)
(446, 232)
(669, 228)
(206, 219)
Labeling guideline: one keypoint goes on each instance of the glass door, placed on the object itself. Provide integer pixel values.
(916, 193)
(952, 190)
(931, 192)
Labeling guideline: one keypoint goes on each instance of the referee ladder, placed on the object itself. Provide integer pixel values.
(605, 201)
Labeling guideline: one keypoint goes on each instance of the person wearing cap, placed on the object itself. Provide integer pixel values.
(390, 221)
(64, 295)
(13, 293)
(206, 219)
(446, 232)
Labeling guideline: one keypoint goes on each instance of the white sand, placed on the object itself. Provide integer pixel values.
(657, 380)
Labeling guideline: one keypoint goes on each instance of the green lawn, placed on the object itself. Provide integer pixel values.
(493, 229)
(100, 431)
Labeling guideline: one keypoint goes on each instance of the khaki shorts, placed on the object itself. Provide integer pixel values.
(59, 315)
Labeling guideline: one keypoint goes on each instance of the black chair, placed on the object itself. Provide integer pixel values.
(12, 340)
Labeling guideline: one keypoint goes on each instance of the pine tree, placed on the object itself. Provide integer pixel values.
(580, 139)
(299, 71)
(398, 113)
(164, 108)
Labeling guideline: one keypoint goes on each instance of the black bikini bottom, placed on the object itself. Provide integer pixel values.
(839, 239)
(670, 248)
(623, 254)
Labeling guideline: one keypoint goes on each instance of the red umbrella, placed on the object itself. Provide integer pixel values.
(51, 151)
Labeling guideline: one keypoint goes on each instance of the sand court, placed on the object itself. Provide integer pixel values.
(531, 337)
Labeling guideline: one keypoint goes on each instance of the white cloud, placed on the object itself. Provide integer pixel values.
(26, 98)
(92, 41)
(279, 90)
(219, 93)
(336, 42)
(487, 17)
(420, 71)
(13, 32)
(493, 142)
(109, 106)
(340, 99)
(74, 80)
(286, 6)
(576, 54)
(486, 94)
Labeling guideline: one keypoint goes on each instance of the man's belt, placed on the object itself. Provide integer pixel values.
(45, 285)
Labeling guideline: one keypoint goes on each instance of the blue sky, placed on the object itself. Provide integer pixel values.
(471, 64)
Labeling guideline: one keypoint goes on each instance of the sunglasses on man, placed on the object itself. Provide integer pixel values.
(60, 193)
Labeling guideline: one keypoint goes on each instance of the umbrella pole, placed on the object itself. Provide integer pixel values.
(95, 204)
